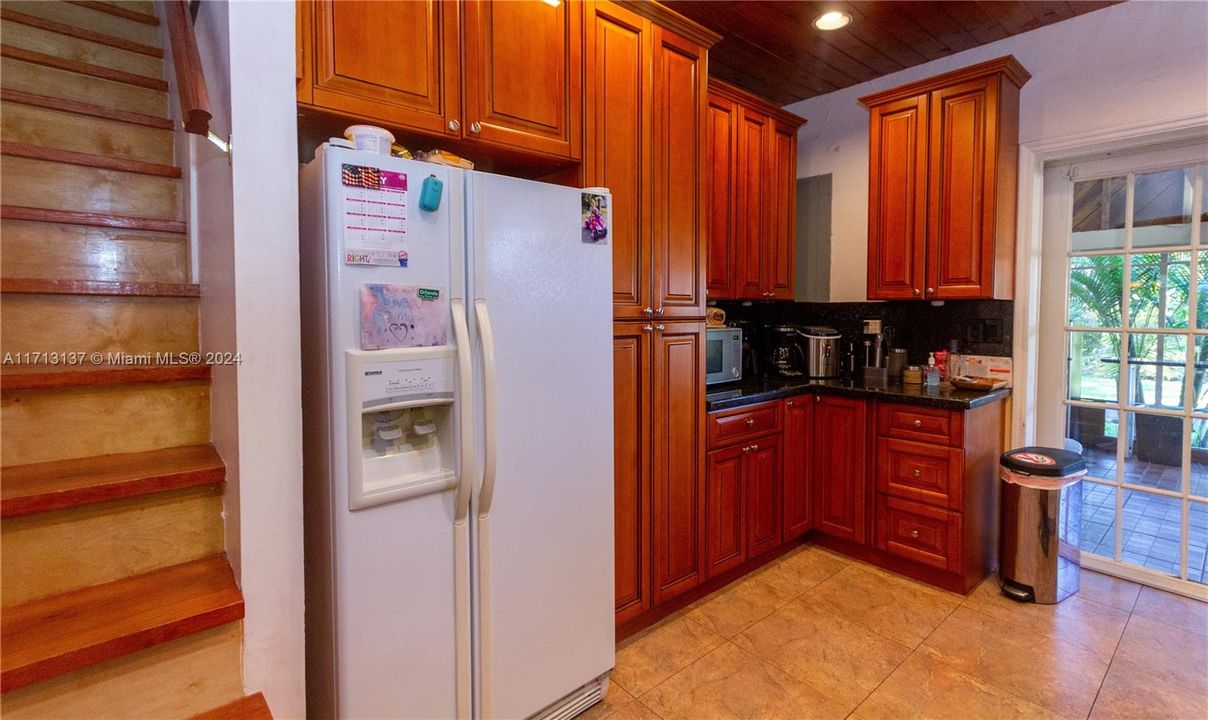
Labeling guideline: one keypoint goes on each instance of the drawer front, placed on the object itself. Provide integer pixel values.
(732, 426)
(918, 422)
(920, 533)
(930, 474)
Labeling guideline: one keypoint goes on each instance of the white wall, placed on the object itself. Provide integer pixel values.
(1129, 64)
(246, 214)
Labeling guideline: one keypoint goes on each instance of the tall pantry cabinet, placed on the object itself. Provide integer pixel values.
(645, 98)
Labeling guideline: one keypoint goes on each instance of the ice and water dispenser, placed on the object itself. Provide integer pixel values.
(402, 441)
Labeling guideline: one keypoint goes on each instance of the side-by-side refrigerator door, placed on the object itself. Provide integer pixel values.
(401, 375)
(541, 273)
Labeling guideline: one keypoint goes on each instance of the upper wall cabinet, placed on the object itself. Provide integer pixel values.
(943, 157)
(752, 184)
(514, 83)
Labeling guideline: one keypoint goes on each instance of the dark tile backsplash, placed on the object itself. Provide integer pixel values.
(983, 327)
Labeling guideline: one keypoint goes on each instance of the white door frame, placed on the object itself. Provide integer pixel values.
(1029, 280)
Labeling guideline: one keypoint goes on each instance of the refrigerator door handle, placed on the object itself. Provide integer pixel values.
(486, 492)
(465, 385)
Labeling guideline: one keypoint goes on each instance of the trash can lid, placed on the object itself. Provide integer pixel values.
(1050, 462)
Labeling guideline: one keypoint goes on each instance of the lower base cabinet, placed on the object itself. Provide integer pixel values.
(841, 467)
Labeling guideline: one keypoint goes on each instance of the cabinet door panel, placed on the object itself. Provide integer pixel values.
(362, 68)
(960, 238)
(618, 154)
(754, 137)
(797, 505)
(722, 199)
(678, 444)
(679, 146)
(840, 467)
(782, 236)
(897, 197)
(523, 74)
(764, 463)
(631, 449)
(725, 524)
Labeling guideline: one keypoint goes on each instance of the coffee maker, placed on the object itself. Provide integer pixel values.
(786, 359)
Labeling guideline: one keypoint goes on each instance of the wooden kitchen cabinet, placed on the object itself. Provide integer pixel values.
(841, 467)
(645, 141)
(408, 65)
(396, 63)
(764, 465)
(632, 371)
(943, 156)
(725, 519)
(797, 480)
(752, 153)
(677, 447)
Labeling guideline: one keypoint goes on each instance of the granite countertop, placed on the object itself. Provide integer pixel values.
(757, 390)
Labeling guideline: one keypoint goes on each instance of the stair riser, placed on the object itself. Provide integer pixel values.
(176, 680)
(91, 19)
(77, 252)
(56, 552)
(29, 183)
(41, 80)
(72, 48)
(72, 323)
(44, 425)
(79, 133)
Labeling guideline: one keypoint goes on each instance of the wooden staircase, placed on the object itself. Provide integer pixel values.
(117, 597)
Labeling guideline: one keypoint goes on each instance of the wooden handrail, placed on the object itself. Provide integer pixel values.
(190, 82)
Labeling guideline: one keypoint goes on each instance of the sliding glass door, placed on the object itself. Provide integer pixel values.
(1124, 356)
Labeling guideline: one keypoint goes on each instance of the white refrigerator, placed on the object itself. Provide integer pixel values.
(457, 370)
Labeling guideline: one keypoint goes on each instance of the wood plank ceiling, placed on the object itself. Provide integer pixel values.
(771, 48)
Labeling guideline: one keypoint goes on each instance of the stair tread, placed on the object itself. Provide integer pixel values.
(249, 707)
(71, 217)
(42, 286)
(82, 108)
(38, 152)
(79, 32)
(41, 487)
(47, 377)
(83, 68)
(118, 11)
(54, 635)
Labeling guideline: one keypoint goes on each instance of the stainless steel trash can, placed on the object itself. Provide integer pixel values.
(1041, 516)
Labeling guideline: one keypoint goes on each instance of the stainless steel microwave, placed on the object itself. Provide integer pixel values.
(723, 355)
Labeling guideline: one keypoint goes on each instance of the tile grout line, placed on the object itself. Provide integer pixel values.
(1111, 660)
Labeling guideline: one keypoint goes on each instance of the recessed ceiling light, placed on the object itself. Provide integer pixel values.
(832, 20)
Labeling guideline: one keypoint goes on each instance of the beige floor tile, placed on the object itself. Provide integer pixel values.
(1108, 590)
(896, 608)
(1168, 651)
(656, 654)
(728, 683)
(1059, 675)
(1129, 695)
(841, 659)
(924, 687)
(1083, 622)
(801, 570)
(617, 698)
(738, 606)
(1173, 609)
(634, 711)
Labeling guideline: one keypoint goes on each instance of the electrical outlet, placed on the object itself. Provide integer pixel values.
(872, 327)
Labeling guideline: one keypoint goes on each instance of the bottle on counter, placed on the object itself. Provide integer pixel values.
(931, 373)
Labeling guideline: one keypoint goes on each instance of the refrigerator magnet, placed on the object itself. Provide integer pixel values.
(595, 218)
(429, 194)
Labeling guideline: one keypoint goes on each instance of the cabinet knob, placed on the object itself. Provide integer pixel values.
(918, 423)
(454, 125)
(660, 328)
(914, 533)
(915, 473)
(647, 328)
(754, 447)
(660, 311)
(750, 422)
(916, 292)
(647, 311)
(817, 398)
(930, 291)
(475, 128)
(788, 403)
(747, 449)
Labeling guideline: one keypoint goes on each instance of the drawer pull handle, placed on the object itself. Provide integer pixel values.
(915, 473)
(918, 423)
(914, 533)
(750, 422)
